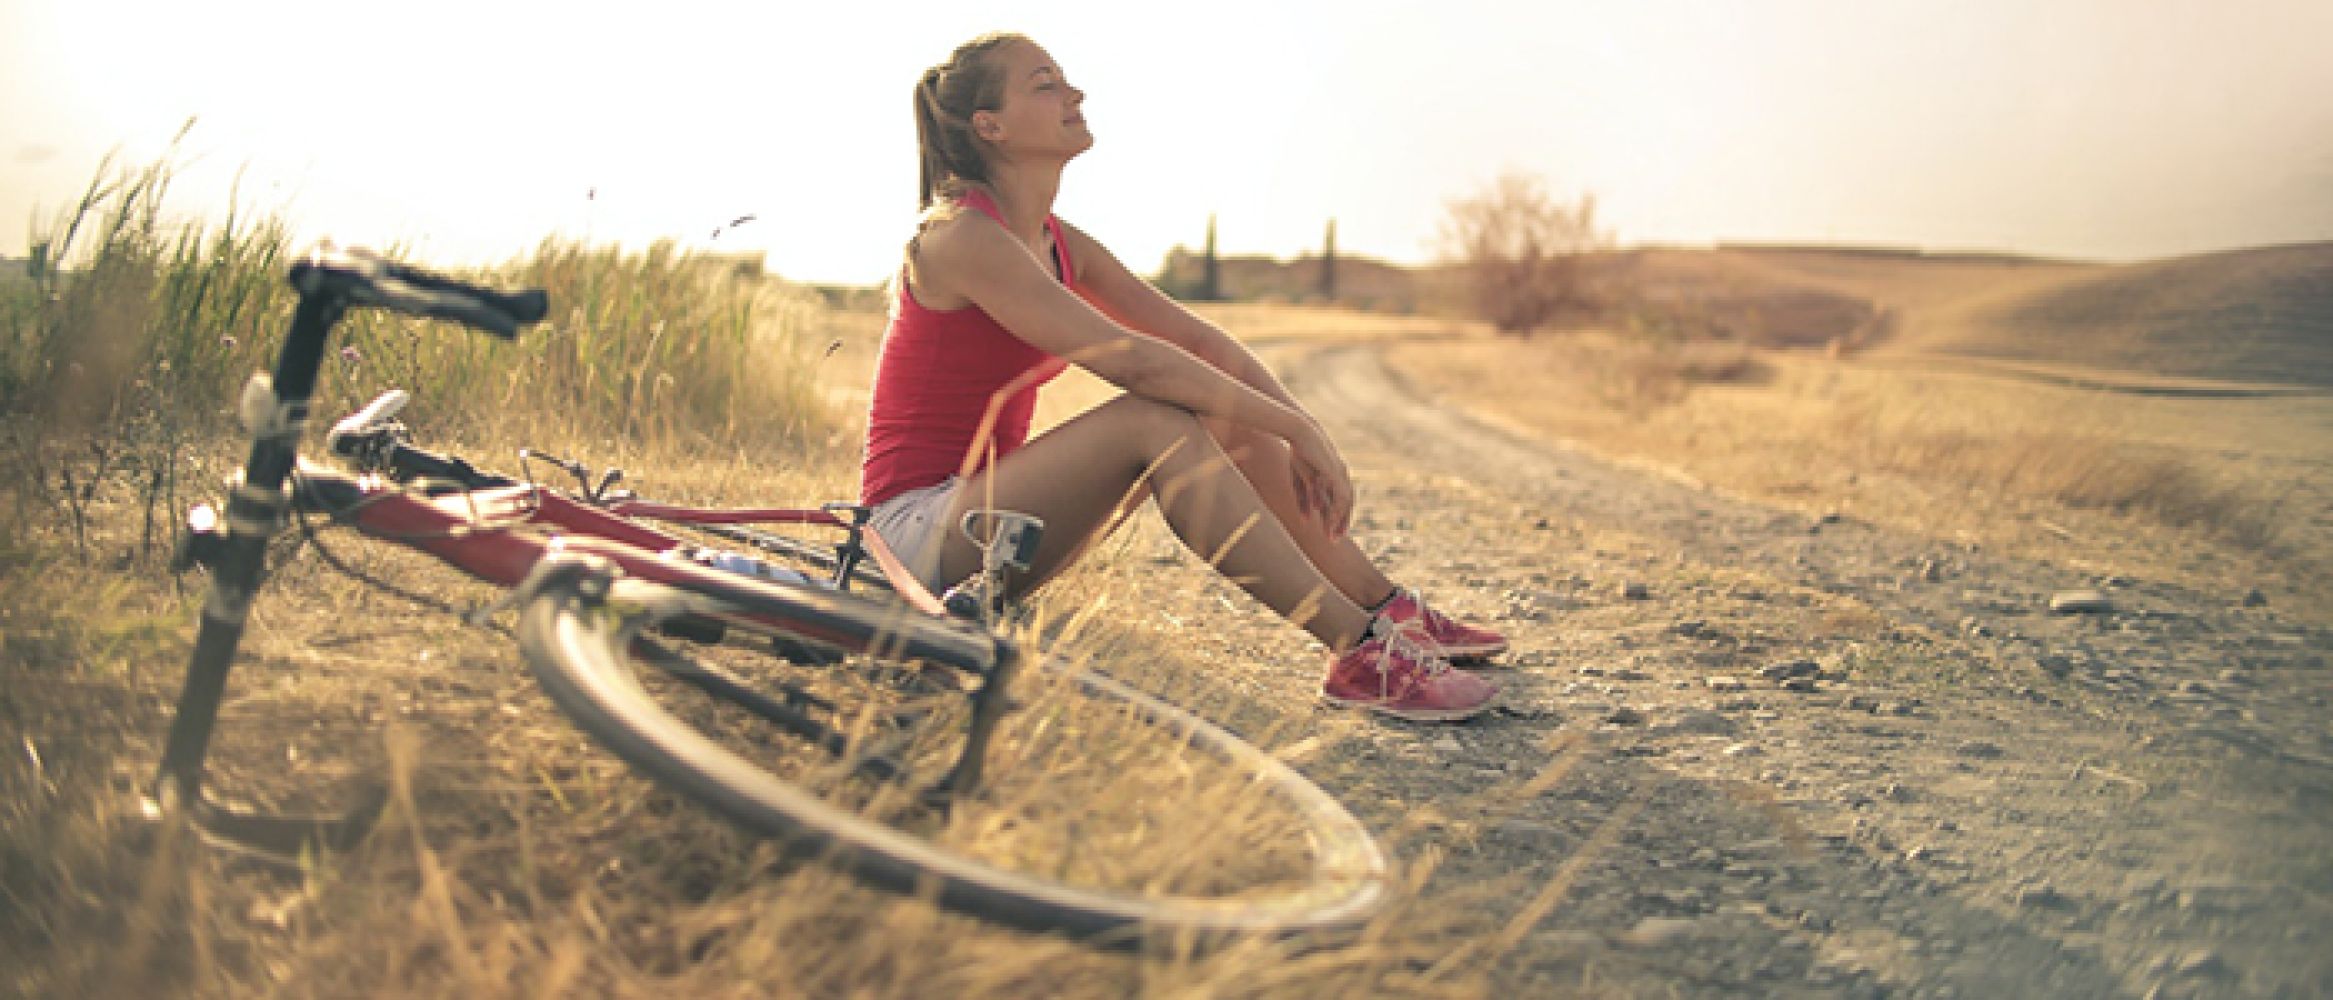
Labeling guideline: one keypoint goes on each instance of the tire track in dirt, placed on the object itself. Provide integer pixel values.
(1975, 797)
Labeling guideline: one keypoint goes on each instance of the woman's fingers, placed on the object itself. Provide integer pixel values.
(1341, 494)
(1328, 502)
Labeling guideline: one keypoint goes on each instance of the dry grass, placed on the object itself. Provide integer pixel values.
(517, 859)
(1939, 450)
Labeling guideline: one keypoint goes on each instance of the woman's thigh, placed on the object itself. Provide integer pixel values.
(1077, 477)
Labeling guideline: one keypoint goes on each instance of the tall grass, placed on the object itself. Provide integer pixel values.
(122, 350)
(666, 348)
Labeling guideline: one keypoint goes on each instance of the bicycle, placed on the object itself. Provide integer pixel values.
(869, 683)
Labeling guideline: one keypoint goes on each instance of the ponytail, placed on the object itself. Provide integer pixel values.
(946, 97)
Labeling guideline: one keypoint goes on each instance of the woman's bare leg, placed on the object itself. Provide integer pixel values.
(1263, 460)
(1081, 475)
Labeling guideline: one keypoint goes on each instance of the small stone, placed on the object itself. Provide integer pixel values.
(1802, 685)
(2200, 962)
(1689, 629)
(2040, 895)
(1542, 524)
(1723, 683)
(2235, 677)
(1786, 669)
(1635, 591)
(1624, 716)
(2253, 598)
(1448, 744)
(1743, 750)
(1862, 703)
(1698, 722)
(1657, 932)
(1983, 749)
(2080, 602)
(2213, 897)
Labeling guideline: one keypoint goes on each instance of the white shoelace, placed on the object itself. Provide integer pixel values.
(1412, 642)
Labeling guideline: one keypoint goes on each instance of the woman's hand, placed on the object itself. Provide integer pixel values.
(1323, 488)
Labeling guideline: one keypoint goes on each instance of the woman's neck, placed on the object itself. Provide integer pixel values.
(1024, 196)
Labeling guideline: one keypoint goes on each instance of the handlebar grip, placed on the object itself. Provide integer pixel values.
(367, 278)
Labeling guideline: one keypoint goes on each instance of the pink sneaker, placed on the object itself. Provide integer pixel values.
(1394, 672)
(1461, 642)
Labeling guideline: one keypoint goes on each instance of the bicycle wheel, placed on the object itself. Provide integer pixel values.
(1092, 811)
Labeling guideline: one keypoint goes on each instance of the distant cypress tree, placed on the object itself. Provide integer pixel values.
(1328, 264)
(1210, 277)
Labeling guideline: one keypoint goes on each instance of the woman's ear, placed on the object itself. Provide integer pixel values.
(986, 126)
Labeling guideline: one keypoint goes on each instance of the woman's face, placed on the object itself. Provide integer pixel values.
(1040, 113)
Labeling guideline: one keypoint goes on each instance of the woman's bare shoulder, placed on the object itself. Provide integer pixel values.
(951, 249)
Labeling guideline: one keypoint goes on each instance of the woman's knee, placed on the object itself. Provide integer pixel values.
(1154, 428)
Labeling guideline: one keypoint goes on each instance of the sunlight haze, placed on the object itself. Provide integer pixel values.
(467, 132)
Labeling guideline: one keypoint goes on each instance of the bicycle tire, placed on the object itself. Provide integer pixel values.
(584, 657)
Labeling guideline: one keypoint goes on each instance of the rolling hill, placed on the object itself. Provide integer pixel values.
(2262, 314)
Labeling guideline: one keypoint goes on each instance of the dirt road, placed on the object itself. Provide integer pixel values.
(1837, 759)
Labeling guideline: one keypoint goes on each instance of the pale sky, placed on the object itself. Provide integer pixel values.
(465, 132)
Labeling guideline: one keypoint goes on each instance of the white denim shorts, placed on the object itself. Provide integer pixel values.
(911, 524)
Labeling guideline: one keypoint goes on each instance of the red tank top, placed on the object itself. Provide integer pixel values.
(934, 381)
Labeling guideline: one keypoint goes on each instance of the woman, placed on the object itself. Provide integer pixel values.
(996, 296)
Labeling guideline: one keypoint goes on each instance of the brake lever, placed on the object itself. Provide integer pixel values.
(364, 427)
(576, 469)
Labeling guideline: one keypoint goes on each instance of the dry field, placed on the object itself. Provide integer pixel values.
(2095, 431)
(1787, 713)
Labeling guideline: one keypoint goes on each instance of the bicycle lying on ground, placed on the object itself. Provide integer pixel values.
(821, 696)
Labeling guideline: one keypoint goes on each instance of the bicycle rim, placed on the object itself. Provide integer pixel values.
(1082, 769)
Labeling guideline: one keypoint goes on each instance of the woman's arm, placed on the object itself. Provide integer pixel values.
(1135, 302)
(973, 258)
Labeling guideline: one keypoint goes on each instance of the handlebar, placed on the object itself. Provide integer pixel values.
(363, 277)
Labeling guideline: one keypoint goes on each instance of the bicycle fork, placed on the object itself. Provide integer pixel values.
(274, 410)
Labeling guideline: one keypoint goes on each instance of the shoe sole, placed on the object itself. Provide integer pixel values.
(1408, 714)
(1476, 655)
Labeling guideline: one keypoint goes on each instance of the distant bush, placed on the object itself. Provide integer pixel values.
(1523, 254)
